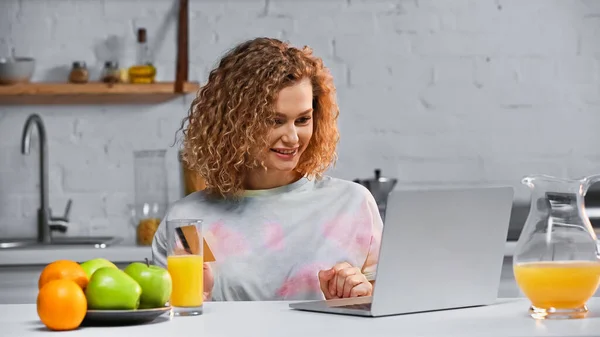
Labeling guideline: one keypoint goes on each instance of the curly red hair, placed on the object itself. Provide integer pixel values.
(232, 114)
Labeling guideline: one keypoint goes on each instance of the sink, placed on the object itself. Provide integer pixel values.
(73, 241)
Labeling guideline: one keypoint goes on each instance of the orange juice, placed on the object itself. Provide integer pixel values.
(187, 275)
(558, 284)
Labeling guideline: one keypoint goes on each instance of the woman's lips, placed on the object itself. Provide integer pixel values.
(284, 153)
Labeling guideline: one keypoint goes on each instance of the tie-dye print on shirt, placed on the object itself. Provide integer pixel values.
(270, 244)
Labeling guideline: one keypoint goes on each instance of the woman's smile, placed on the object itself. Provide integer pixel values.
(285, 154)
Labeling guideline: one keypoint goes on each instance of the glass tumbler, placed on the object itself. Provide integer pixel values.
(185, 264)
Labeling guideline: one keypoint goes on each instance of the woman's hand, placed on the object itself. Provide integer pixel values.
(343, 280)
(209, 281)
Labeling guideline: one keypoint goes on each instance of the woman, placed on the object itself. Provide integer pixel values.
(261, 133)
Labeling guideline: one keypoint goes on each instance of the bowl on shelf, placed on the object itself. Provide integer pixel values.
(14, 70)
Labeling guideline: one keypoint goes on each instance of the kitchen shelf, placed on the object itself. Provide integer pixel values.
(92, 93)
(99, 93)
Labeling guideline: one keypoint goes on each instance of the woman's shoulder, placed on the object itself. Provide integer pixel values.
(190, 206)
(342, 187)
(192, 198)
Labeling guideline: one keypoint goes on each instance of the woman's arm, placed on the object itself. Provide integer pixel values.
(369, 268)
(344, 280)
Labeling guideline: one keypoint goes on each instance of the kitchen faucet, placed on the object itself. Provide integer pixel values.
(46, 223)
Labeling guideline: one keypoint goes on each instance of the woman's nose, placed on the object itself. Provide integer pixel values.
(291, 135)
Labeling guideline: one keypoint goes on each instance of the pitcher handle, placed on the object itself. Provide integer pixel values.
(588, 181)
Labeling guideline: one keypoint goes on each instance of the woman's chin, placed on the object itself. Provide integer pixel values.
(283, 166)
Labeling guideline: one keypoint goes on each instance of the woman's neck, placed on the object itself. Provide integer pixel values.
(261, 179)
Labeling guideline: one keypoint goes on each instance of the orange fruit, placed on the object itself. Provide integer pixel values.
(63, 269)
(61, 305)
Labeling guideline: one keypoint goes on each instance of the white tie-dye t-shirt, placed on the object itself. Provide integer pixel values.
(271, 244)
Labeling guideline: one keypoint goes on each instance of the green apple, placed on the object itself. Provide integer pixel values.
(90, 266)
(155, 281)
(112, 289)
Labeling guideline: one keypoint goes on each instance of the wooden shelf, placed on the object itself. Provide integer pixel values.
(92, 93)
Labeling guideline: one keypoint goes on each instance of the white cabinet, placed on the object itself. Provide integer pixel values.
(19, 284)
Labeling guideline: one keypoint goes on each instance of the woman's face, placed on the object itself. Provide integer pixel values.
(292, 128)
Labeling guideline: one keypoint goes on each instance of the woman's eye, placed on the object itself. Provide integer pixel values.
(303, 120)
(277, 121)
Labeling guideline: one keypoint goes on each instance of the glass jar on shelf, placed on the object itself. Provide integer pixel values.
(79, 73)
(111, 72)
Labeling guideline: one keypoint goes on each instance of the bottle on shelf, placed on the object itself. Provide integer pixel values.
(143, 71)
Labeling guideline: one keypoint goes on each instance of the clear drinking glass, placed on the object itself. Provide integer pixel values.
(557, 261)
(185, 264)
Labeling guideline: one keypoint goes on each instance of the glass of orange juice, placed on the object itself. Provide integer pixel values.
(185, 264)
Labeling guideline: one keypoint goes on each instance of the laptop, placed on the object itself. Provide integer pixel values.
(441, 249)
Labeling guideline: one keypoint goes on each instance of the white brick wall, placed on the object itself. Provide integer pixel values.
(454, 92)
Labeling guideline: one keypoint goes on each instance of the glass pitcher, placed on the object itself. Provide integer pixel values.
(556, 261)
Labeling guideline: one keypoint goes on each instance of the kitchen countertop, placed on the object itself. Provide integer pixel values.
(43, 255)
(117, 253)
(506, 318)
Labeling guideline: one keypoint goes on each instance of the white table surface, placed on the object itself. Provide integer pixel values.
(507, 318)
